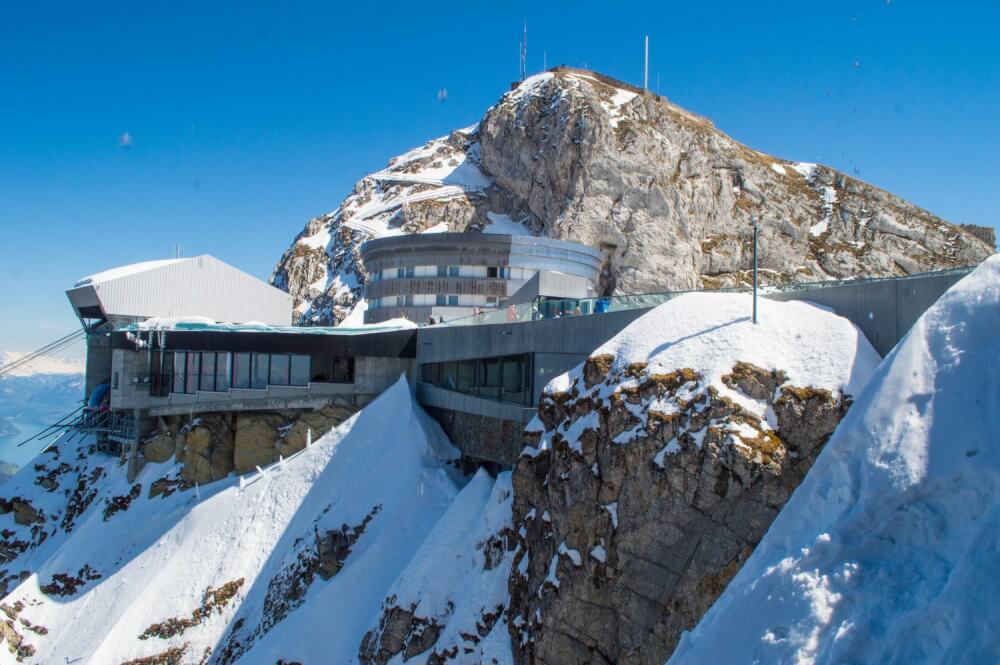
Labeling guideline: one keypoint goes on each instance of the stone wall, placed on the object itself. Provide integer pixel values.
(481, 438)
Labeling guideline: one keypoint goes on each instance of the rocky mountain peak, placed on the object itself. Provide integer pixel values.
(668, 198)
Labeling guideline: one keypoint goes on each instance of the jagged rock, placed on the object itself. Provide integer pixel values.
(256, 440)
(209, 447)
(25, 513)
(159, 447)
(666, 196)
(320, 422)
(625, 545)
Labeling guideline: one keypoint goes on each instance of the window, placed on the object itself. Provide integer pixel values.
(452, 271)
(441, 299)
(160, 366)
(261, 362)
(491, 272)
(241, 370)
(279, 370)
(208, 371)
(507, 379)
(343, 370)
(180, 371)
(377, 276)
(191, 383)
(222, 361)
(114, 381)
(467, 376)
(491, 301)
(399, 273)
(375, 303)
(498, 272)
(442, 271)
(453, 301)
(299, 373)
(408, 300)
(404, 272)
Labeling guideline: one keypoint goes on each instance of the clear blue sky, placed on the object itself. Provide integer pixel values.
(248, 118)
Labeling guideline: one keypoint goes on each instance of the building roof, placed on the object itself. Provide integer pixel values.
(199, 286)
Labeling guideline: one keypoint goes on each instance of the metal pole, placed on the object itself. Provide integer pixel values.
(645, 67)
(755, 270)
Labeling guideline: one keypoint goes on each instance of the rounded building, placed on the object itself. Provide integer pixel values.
(450, 275)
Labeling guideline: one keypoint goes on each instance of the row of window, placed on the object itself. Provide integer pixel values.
(435, 299)
(210, 371)
(491, 272)
(506, 378)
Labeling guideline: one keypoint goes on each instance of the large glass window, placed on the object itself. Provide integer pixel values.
(261, 368)
(453, 271)
(162, 370)
(467, 376)
(489, 378)
(442, 271)
(299, 371)
(222, 370)
(180, 371)
(512, 380)
(441, 299)
(279, 370)
(191, 383)
(241, 370)
(208, 371)
(452, 301)
(343, 370)
(507, 379)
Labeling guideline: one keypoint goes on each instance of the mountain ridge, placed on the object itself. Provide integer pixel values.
(666, 196)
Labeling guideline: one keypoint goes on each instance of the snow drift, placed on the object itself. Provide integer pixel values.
(888, 551)
(100, 571)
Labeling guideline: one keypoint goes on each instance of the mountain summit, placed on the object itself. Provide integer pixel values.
(665, 195)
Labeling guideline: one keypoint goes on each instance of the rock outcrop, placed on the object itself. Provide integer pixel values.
(654, 469)
(666, 196)
(214, 445)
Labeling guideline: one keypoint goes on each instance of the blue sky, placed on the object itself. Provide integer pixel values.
(248, 118)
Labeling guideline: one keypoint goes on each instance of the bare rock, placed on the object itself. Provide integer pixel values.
(209, 447)
(631, 530)
(256, 442)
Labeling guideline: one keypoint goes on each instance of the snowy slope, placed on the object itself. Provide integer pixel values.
(888, 552)
(242, 567)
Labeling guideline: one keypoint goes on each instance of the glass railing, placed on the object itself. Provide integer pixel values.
(543, 308)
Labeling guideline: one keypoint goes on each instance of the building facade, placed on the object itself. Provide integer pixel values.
(451, 275)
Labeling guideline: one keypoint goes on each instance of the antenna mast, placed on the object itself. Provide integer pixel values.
(524, 52)
(645, 67)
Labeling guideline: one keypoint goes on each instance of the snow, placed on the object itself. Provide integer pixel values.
(157, 557)
(711, 332)
(203, 324)
(125, 271)
(778, 168)
(599, 553)
(504, 224)
(527, 86)
(888, 551)
(806, 169)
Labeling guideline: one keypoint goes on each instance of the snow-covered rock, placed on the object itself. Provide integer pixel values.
(664, 194)
(291, 564)
(665, 457)
(888, 552)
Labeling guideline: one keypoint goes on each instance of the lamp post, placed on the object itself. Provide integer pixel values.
(754, 222)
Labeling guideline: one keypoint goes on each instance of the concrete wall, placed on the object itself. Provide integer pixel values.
(883, 309)
(98, 363)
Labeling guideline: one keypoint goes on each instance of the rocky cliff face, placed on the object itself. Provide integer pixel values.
(664, 194)
(655, 469)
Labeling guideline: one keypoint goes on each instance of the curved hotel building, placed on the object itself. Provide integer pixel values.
(450, 275)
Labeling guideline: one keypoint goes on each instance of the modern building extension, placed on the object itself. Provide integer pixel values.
(451, 275)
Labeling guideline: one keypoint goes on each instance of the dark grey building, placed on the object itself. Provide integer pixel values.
(450, 275)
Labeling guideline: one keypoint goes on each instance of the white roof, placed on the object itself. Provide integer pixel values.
(199, 286)
(124, 271)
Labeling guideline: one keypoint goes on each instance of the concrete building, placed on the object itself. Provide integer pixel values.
(450, 275)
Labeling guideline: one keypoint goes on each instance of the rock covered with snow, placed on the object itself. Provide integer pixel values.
(888, 551)
(665, 195)
(96, 569)
(658, 464)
